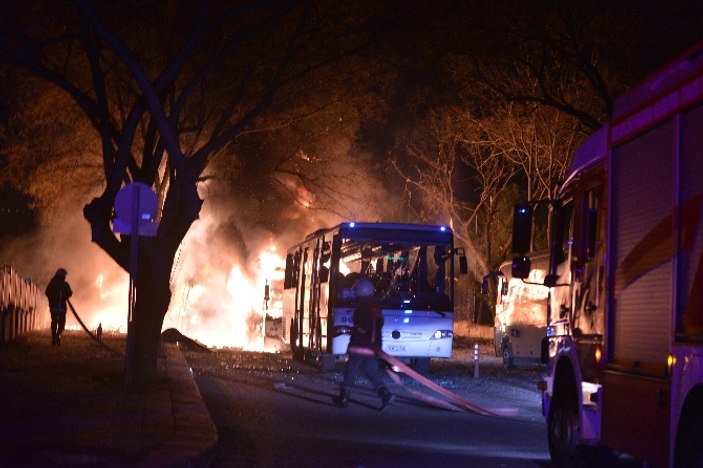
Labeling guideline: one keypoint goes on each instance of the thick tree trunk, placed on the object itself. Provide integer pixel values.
(156, 256)
(152, 300)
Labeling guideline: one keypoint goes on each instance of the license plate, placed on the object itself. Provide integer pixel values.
(396, 349)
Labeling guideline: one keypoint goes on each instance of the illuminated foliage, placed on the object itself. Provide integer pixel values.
(165, 86)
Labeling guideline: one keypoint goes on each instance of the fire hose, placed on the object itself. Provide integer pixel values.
(73, 309)
(457, 400)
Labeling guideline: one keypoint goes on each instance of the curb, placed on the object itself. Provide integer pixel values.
(194, 439)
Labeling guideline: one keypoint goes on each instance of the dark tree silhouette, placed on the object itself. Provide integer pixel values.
(166, 86)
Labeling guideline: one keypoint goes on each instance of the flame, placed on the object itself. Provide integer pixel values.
(217, 296)
(344, 269)
(227, 308)
(108, 308)
(113, 304)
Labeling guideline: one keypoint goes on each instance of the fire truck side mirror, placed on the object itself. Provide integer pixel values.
(522, 228)
(463, 265)
(521, 267)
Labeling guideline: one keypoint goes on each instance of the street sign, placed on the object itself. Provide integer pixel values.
(147, 206)
(135, 205)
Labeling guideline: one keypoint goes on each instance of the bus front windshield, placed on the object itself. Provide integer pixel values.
(404, 275)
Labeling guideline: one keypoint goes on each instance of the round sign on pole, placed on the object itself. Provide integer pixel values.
(147, 206)
(135, 205)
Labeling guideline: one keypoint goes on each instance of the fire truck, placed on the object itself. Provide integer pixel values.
(624, 345)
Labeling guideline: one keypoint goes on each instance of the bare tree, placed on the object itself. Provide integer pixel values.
(542, 51)
(460, 168)
(166, 86)
(455, 173)
(540, 140)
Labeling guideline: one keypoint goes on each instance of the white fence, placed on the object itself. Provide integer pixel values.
(19, 298)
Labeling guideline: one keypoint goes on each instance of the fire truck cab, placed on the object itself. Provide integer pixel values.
(624, 346)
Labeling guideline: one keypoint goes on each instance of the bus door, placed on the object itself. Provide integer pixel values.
(300, 299)
(314, 306)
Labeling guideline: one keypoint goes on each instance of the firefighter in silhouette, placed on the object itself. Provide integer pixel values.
(364, 345)
(58, 291)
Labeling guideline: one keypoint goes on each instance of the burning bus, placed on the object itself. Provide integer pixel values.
(413, 269)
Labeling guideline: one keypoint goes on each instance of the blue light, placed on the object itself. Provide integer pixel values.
(408, 312)
(406, 301)
(442, 229)
(406, 320)
(352, 225)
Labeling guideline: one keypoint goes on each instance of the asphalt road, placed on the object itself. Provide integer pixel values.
(272, 411)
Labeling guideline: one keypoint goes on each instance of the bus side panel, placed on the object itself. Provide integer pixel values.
(343, 317)
(641, 404)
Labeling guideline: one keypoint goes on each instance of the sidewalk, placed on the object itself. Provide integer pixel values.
(68, 406)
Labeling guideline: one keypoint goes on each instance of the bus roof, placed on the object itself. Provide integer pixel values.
(420, 233)
(389, 232)
(354, 226)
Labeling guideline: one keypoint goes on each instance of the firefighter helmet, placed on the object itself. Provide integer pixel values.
(363, 287)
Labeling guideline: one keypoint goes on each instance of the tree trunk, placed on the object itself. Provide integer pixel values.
(147, 319)
(156, 256)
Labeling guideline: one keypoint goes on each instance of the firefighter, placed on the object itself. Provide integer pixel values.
(364, 345)
(58, 291)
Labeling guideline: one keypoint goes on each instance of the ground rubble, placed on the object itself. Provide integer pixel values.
(493, 386)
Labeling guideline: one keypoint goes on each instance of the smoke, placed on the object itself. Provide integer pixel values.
(225, 261)
(238, 245)
(63, 241)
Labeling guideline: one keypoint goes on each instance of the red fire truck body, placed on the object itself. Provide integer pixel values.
(624, 346)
